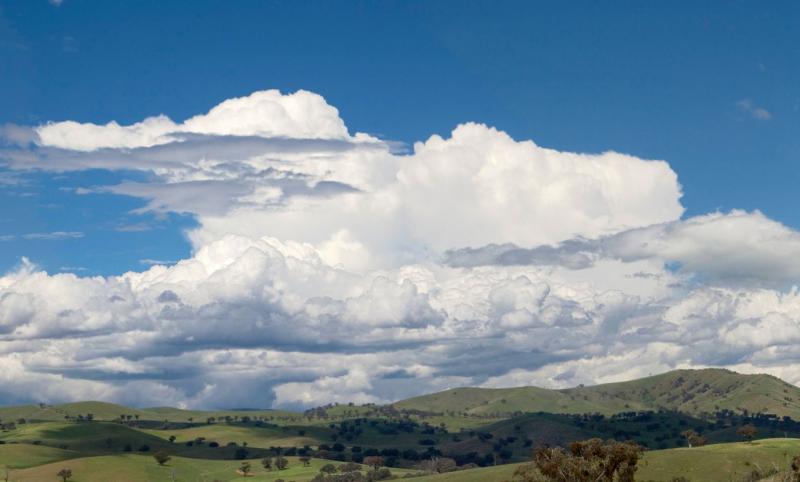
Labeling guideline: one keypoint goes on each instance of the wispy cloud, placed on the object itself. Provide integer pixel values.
(72, 268)
(133, 228)
(55, 235)
(153, 262)
(755, 111)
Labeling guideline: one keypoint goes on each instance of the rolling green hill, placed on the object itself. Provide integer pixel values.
(689, 391)
(26, 455)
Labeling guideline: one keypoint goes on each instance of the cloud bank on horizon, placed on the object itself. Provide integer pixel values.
(329, 266)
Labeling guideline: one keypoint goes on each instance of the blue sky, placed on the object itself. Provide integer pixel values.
(287, 204)
(664, 80)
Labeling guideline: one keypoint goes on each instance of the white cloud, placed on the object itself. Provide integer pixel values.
(737, 247)
(264, 114)
(286, 166)
(328, 267)
(273, 320)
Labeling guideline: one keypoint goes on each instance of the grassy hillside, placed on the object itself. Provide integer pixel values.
(718, 462)
(689, 391)
(711, 463)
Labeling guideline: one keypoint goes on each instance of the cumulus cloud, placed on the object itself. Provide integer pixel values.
(266, 113)
(285, 165)
(327, 266)
(295, 331)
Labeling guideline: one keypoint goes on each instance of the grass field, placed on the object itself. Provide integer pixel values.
(140, 468)
(711, 463)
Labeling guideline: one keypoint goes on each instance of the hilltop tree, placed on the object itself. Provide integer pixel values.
(592, 460)
(747, 432)
(64, 474)
(161, 457)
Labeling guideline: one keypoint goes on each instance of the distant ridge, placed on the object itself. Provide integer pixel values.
(689, 391)
(693, 392)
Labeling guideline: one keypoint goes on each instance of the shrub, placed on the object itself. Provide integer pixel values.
(589, 461)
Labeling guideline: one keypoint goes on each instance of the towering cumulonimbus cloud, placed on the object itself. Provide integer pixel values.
(331, 266)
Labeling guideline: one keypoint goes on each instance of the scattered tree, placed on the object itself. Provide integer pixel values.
(328, 469)
(281, 462)
(348, 467)
(373, 461)
(693, 439)
(64, 474)
(245, 468)
(747, 432)
(439, 465)
(161, 457)
(266, 462)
